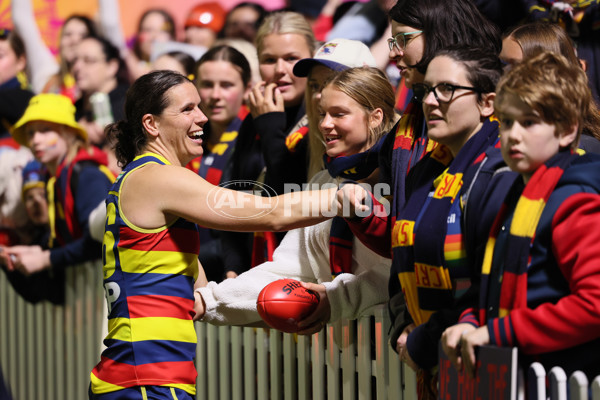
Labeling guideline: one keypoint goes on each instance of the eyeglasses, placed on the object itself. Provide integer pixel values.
(393, 41)
(443, 92)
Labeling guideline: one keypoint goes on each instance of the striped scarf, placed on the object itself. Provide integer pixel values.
(527, 213)
(215, 161)
(410, 145)
(354, 167)
(419, 233)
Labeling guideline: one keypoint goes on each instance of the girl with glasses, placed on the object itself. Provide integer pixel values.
(429, 250)
(430, 259)
(420, 29)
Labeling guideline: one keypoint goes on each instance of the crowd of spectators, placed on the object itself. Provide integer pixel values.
(268, 82)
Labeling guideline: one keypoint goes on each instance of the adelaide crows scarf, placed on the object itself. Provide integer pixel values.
(419, 233)
(527, 213)
(354, 167)
(410, 145)
(216, 159)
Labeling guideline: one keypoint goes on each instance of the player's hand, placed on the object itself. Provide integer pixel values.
(350, 201)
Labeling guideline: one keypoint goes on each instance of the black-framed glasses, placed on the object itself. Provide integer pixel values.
(443, 92)
(394, 40)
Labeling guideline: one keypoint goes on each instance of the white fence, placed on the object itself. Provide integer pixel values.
(47, 353)
(255, 363)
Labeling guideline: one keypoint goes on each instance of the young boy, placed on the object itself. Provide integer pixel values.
(540, 278)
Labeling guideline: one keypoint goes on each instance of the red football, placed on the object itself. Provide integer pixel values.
(282, 303)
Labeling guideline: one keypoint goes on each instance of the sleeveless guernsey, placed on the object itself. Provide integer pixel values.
(149, 277)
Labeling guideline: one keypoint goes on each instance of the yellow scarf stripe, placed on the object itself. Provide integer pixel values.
(432, 277)
(107, 172)
(402, 233)
(487, 257)
(51, 210)
(528, 213)
(448, 185)
(409, 287)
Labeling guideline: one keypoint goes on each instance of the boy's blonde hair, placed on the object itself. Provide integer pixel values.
(552, 87)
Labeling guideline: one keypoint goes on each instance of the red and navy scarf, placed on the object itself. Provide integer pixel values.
(410, 145)
(419, 233)
(526, 216)
(61, 199)
(354, 167)
(213, 163)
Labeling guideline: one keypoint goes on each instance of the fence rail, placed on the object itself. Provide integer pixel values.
(47, 353)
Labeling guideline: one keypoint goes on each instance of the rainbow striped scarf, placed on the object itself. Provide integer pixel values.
(527, 213)
(419, 232)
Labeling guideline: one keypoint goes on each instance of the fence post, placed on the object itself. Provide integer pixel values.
(578, 386)
(536, 377)
(596, 388)
(558, 384)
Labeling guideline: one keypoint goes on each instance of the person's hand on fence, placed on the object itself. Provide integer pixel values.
(468, 343)
(402, 350)
(315, 322)
(451, 339)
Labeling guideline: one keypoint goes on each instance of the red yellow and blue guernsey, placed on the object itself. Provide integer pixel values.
(149, 277)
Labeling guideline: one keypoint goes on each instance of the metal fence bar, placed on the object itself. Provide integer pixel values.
(363, 357)
(348, 361)
(224, 359)
(290, 367)
(304, 364)
(250, 363)
(201, 365)
(318, 362)
(262, 364)
(276, 364)
(334, 388)
(237, 363)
